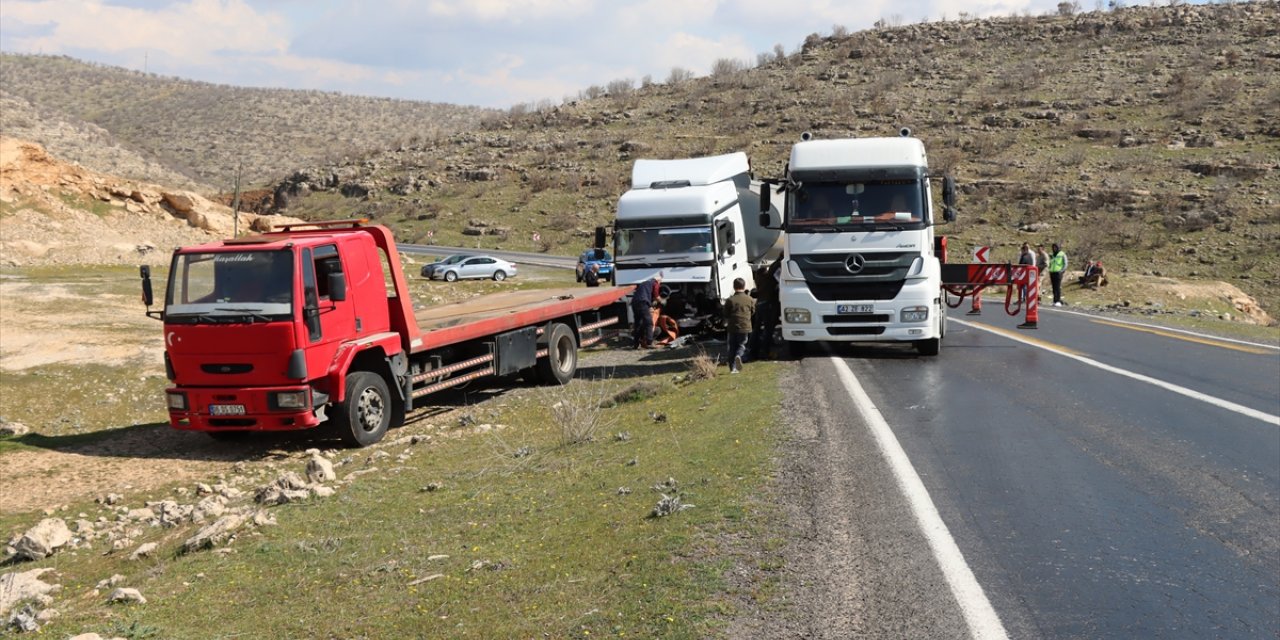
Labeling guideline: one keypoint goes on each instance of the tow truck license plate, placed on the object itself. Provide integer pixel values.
(853, 308)
(226, 409)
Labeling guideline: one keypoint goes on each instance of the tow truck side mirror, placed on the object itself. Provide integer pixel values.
(600, 240)
(337, 287)
(765, 197)
(148, 298)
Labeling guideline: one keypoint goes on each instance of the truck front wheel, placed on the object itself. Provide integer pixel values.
(929, 347)
(562, 356)
(364, 417)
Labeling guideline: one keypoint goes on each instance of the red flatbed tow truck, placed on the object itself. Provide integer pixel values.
(313, 324)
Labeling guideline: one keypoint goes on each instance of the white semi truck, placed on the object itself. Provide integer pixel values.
(858, 249)
(693, 220)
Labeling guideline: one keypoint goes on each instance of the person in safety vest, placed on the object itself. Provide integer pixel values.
(1057, 265)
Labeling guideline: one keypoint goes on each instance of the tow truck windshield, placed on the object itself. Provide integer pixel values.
(878, 205)
(233, 286)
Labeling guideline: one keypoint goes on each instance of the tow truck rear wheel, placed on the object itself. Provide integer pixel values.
(364, 417)
(562, 356)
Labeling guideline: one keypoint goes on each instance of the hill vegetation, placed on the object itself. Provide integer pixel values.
(191, 134)
(1143, 136)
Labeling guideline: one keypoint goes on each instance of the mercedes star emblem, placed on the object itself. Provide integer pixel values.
(854, 263)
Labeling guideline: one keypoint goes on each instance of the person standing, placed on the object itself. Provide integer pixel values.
(642, 301)
(738, 310)
(1057, 265)
(592, 275)
(1027, 258)
(1042, 265)
(767, 311)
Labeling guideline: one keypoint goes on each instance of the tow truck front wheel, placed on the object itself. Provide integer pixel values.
(364, 417)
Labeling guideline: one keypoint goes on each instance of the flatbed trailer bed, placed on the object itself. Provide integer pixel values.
(496, 313)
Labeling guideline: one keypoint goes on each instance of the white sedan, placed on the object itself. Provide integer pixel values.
(474, 267)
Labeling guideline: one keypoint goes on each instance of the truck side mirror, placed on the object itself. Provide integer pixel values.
(148, 298)
(765, 197)
(766, 220)
(598, 254)
(337, 287)
(948, 199)
(600, 241)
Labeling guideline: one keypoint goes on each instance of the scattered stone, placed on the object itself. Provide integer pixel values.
(624, 491)
(109, 582)
(121, 544)
(143, 551)
(43, 539)
(222, 530)
(262, 518)
(322, 491)
(434, 576)
(289, 487)
(360, 472)
(376, 456)
(23, 585)
(433, 487)
(140, 514)
(86, 636)
(46, 615)
(622, 436)
(111, 499)
(522, 452)
(13, 429)
(438, 556)
(209, 507)
(320, 470)
(203, 489)
(24, 620)
(126, 594)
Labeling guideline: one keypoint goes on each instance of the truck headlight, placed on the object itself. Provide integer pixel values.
(177, 400)
(796, 316)
(291, 399)
(915, 314)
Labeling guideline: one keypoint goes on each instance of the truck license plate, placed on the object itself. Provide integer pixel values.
(226, 409)
(853, 308)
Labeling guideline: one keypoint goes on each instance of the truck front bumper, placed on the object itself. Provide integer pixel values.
(285, 408)
(876, 321)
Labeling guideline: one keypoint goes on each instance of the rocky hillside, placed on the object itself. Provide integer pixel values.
(155, 128)
(56, 213)
(1144, 136)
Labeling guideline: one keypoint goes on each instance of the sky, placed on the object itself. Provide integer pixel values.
(492, 53)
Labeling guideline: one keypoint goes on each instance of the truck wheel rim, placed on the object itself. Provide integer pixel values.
(370, 409)
(564, 354)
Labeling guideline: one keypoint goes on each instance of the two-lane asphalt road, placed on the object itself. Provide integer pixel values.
(1099, 479)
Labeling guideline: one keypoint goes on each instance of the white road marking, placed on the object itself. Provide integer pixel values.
(1190, 393)
(978, 614)
(1163, 328)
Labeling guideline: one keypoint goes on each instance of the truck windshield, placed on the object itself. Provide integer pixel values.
(232, 286)
(857, 206)
(649, 242)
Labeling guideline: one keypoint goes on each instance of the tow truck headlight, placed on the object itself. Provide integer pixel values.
(177, 400)
(796, 316)
(915, 314)
(291, 399)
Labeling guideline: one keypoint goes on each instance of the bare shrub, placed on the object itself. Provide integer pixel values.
(678, 76)
(1067, 9)
(620, 88)
(580, 411)
(702, 366)
(725, 67)
(839, 31)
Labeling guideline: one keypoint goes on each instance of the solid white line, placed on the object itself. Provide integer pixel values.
(1159, 326)
(978, 614)
(1190, 393)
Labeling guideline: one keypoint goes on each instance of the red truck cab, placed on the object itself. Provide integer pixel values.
(288, 329)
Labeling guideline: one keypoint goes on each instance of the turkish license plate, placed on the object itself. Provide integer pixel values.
(853, 308)
(226, 409)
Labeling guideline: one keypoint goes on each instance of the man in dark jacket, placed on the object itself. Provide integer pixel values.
(642, 300)
(738, 310)
(592, 276)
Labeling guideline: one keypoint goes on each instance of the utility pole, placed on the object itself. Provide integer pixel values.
(235, 204)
